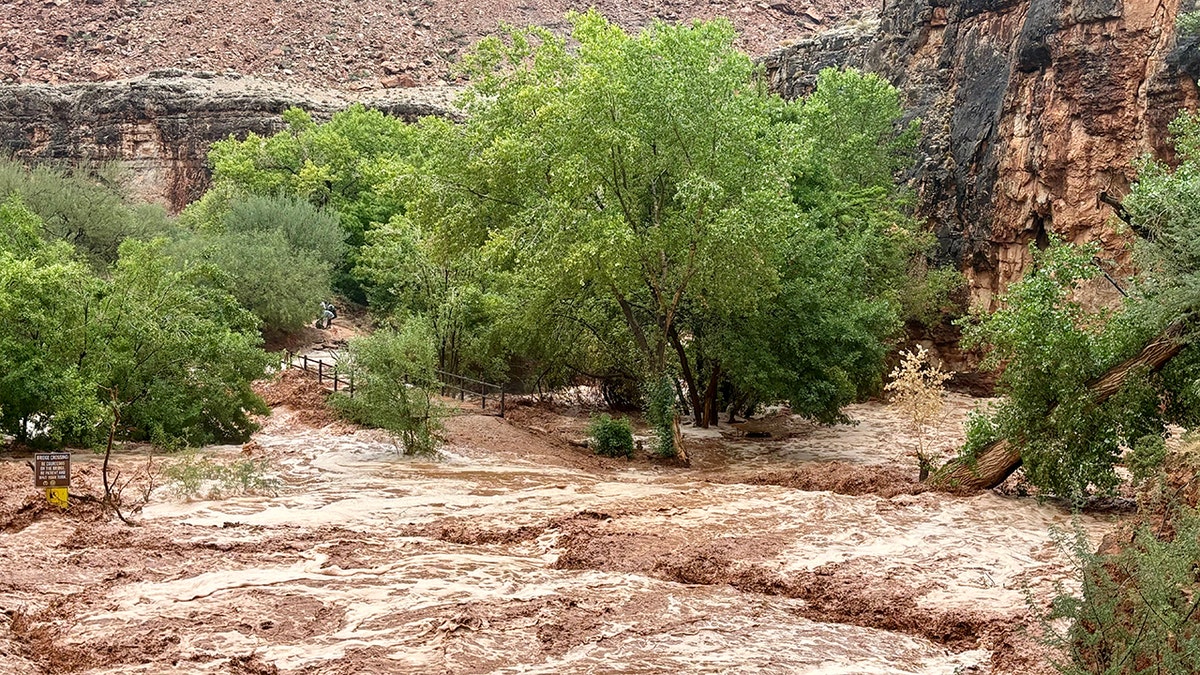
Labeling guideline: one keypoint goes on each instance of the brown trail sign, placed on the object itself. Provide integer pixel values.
(52, 472)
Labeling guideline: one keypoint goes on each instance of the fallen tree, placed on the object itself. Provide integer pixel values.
(997, 460)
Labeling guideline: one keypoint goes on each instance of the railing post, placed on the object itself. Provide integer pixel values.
(482, 398)
(335, 381)
(352, 384)
(320, 371)
(502, 401)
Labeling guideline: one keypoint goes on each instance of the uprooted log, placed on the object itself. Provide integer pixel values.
(1000, 458)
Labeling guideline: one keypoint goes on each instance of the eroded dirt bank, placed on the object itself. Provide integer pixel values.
(518, 553)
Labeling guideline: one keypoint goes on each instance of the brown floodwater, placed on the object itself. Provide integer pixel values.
(517, 553)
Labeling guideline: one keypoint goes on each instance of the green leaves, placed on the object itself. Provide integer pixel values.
(627, 208)
(174, 356)
(1050, 348)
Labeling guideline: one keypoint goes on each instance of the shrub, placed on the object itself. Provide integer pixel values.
(918, 389)
(394, 384)
(194, 474)
(304, 226)
(1136, 611)
(659, 397)
(280, 284)
(611, 437)
(83, 207)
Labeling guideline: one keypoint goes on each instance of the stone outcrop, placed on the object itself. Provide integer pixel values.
(160, 126)
(1033, 111)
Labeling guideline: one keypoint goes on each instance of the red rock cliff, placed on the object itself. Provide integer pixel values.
(1032, 110)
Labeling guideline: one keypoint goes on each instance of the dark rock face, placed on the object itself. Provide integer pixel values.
(1030, 109)
(161, 126)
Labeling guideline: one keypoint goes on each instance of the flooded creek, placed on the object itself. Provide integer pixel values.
(516, 553)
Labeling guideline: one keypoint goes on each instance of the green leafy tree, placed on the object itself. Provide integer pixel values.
(151, 344)
(405, 275)
(87, 210)
(1083, 385)
(1051, 347)
(350, 164)
(638, 191)
(280, 284)
(45, 294)
(175, 355)
(303, 226)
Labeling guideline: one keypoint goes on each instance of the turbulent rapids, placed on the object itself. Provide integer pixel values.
(808, 552)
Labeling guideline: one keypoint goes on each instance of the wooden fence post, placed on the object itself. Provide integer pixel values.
(320, 371)
(304, 362)
(502, 401)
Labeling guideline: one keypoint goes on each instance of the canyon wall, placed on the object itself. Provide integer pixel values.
(1034, 113)
(160, 126)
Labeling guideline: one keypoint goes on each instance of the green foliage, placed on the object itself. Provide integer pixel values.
(179, 356)
(659, 400)
(1164, 204)
(394, 385)
(351, 164)
(276, 255)
(849, 126)
(1188, 23)
(195, 474)
(305, 228)
(281, 285)
(1050, 347)
(934, 296)
(611, 437)
(86, 210)
(150, 342)
(1136, 611)
(44, 294)
(633, 201)
(404, 274)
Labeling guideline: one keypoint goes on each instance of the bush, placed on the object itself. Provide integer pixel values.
(1136, 612)
(305, 227)
(394, 384)
(611, 437)
(659, 396)
(280, 284)
(83, 208)
(148, 342)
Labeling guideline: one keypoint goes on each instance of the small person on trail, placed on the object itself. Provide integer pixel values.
(328, 314)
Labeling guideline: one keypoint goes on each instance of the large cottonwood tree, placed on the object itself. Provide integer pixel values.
(648, 192)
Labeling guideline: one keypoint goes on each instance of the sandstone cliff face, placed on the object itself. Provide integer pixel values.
(160, 126)
(1031, 110)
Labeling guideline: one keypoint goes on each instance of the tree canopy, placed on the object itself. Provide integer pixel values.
(148, 338)
(643, 199)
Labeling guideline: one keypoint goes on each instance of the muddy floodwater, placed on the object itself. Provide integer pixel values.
(516, 552)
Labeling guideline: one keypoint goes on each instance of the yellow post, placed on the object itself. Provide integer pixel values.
(57, 496)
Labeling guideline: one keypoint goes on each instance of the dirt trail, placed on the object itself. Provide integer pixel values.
(516, 553)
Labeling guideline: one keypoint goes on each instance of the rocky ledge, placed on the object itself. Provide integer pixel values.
(1033, 114)
(161, 125)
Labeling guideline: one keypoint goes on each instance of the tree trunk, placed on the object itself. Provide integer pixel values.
(677, 437)
(710, 398)
(999, 459)
(688, 378)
